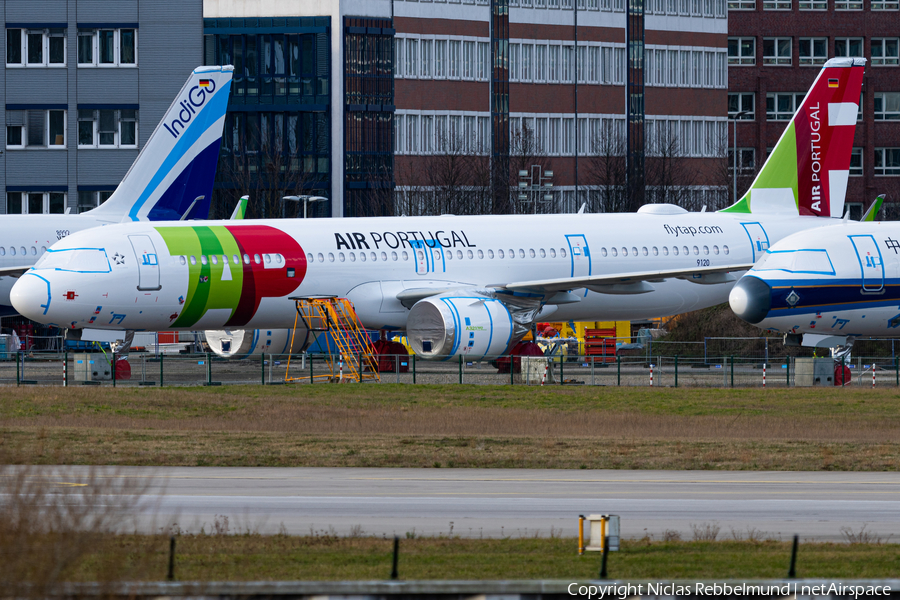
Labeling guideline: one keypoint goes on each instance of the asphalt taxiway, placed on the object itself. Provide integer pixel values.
(513, 502)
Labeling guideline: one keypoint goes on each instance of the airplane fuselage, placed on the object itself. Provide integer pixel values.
(241, 274)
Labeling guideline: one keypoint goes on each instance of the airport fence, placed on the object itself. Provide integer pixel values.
(144, 369)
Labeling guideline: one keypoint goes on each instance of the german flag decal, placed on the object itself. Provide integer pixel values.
(205, 82)
(831, 83)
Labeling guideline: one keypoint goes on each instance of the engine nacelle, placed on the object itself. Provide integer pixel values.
(475, 326)
(243, 343)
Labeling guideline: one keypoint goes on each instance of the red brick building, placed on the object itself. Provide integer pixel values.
(775, 50)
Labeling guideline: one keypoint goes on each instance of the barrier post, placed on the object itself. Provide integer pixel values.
(580, 535)
(544, 376)
(208, 370)
(161, 369)
(618, 370)
(512, 370)
(732, 370)
(873, 373)
(113, 355)
(651, 374)
(311, 368)
(787, 361)
(792, 570)
(764, 374)
(604, 557)
(896, 371)
(460, 368)
(18, 374)
(65, 368)
(414, 368)
(561, 361)
(676, 370)
(592, 370)
(262, 367)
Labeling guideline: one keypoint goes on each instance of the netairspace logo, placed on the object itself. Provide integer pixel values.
(621, 591)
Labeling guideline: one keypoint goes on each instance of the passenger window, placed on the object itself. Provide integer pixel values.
(182, 260)
(562, 252)
(43, 249)
(12, 250)
(33, 251)
(330, 257)
(393, 256)
(214, 259)
(353, 257)
(634, 251)
(193, 259)
(2, 251)
(655, 251)
(696, 250)
(614, 251)
(531, 252)
(552, 252)
(603, 252)
(512, 253)
(481, 254)
(469, 254)
(309, 257)
(341, 257)
(384, 256)
(420, 255)
(490, 254)
(246, 259)
(674, 250)
(644, 251)
(685, 249)
(459, 254)
(624, 251)
(500, 254)
(235, 259)
(279, 259)
(362, 257)
(705, 249)
(724, 249)
(665, 250)
(267, 258)
(715, 250)
(373, 256)
(405, 255)
(448, 254)
(543, 253)
(203, 259)
(521, 253)
(257, 259)
(23, 251)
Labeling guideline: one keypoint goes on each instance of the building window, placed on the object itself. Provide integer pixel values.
(777, 51)
(36, 128)
(742, 5)
(813, 4)
(856, 162)
(885, 52)
(741, 103)
(781, 107)
(777, 4)
(813, 51)
(746, 160)
(848, 46)
(107, 47)
(741, 51)
(90, 200)
(848, 4)
(887, 106)
(887, 161)
(107, 128)
(36, 47)
(885, 5)
(35, 203)
(440, 59)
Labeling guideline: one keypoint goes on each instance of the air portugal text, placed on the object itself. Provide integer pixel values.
(402, 239)
(815, 142)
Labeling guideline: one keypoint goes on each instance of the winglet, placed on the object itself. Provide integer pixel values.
(808, 169)
(178, 162)
(241, 209)
(873, 209)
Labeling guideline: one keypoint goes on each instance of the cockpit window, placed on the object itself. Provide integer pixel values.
(76, 260)
(811, 261)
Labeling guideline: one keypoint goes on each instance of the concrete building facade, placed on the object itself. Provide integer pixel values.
(84, 84)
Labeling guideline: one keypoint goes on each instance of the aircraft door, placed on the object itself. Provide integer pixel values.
(870, 263)
(759, 239)
(148, 262)
(579, 255)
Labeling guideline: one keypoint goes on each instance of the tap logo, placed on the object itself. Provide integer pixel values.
(196, 98)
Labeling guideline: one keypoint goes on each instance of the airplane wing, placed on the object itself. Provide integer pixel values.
(14, 271)
(639, 282)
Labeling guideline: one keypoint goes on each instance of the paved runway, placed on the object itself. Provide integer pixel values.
(514, 502)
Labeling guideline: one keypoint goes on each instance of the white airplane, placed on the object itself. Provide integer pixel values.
(828, 287)
(171, 178)
(457, 285)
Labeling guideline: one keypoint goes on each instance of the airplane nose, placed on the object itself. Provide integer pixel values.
(751, 299)
(30, 296)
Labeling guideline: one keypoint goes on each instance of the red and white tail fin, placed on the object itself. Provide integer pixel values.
(808, 169)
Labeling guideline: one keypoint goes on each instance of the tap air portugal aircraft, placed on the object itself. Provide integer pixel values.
(171, 178)
(457, 285)
(827, 287)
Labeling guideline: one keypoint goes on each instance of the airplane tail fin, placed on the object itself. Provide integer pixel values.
(873, 209)
(177, 165)
(241, 209)
(807, 171)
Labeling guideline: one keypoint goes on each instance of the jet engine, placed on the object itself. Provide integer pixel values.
(243, 343)
(471, 323)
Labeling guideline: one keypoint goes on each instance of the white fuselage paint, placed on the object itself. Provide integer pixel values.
(613, 243)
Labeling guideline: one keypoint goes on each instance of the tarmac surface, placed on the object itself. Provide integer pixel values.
(510, 502)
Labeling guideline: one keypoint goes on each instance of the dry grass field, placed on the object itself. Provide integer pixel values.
(456, 426)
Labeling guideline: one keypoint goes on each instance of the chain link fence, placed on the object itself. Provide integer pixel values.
(657, 370)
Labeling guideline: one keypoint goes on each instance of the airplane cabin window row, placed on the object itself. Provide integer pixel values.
(676, 251)
(214, 259)
(21, 251)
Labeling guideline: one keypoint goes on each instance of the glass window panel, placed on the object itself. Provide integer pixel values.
(107, 47)
(13, 46)
(57, 47)
(35, 48)
(85, 47)
(35, 204)
(57, 203)
(126, 47)
(57, 128)
(14, 203)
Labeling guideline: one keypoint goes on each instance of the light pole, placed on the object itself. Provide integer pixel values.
(735, 157)
(306, 200)
(537, 181)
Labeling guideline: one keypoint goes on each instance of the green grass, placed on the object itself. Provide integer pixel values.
(326, 557)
